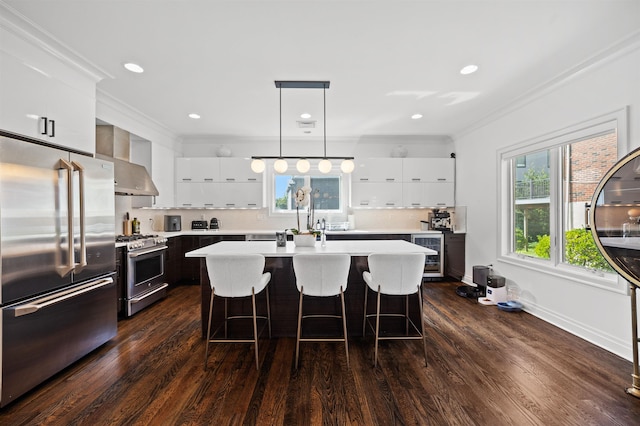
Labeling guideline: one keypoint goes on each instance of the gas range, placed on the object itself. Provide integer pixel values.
(140, 242)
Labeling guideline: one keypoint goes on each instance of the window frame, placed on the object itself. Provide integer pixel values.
(554, 141)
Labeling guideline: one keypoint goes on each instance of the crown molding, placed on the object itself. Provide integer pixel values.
(29, 31)
(106, 101)
(617, 50)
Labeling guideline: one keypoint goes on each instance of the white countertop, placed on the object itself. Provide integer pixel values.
(351, 247)
(205, 232)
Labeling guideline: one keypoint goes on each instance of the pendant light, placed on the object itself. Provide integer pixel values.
(303, 165)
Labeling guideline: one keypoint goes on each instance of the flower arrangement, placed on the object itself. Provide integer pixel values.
(304, 199)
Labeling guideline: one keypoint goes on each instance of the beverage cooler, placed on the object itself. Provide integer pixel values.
(433, 264)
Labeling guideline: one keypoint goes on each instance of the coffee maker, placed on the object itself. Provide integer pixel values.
(440, 220)
(215, 224)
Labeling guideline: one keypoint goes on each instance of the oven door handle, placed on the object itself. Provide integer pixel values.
(145, 295)
(142, 253)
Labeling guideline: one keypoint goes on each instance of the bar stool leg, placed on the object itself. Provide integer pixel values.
(299, 326)
(268, 311)
(375, 359)
(364, 321)
(424, 337)
(206, 350)
(255, 328)
(226, 315)
(344, 326)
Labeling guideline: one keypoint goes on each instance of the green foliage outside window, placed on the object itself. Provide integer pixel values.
(543, 246)
(580, 250)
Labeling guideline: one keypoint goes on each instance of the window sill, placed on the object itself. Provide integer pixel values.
(605, 281)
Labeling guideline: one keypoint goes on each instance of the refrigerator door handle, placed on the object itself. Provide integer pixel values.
(70, 265)
(36, 305)
(83, 237)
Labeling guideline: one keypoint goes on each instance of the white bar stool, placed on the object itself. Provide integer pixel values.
(400, 275)
(321, 275)
(236, 276)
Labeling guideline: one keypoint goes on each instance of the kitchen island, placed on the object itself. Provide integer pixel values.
(282, 288)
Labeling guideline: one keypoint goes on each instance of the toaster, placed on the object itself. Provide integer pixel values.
(199, 224)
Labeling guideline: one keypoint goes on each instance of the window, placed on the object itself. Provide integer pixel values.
(325, 191)
(544, 188)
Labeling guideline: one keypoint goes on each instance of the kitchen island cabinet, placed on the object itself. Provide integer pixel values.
(189, 269)
(284, 293)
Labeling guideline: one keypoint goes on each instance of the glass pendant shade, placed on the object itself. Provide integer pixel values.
(303, 165)
(347, 166)
(280, 165)
(257, 165)
(324, 166)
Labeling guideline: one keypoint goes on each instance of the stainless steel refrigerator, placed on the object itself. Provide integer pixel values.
(57, 243)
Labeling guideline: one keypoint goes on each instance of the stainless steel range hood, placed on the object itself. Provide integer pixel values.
(112, 144)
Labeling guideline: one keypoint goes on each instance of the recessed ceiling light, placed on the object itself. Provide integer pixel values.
(416, 116)
(134, 67)
(305, 115)
(469, 69)
(194, 116)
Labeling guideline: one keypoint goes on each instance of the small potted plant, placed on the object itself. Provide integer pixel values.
(304, 237)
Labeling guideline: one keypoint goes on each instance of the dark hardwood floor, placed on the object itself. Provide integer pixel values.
(486, 367)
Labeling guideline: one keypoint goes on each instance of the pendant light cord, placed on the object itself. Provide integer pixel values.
(324, 118)
(280, 121)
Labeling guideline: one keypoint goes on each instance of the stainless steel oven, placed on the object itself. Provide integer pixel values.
(145, 283)
(433, 264)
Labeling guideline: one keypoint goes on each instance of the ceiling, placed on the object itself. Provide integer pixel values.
(386, 60)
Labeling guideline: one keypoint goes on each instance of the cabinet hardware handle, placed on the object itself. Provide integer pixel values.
(252, 204)
(415, 204)
(231, 179)
(53, 128)
(442, 179)
(441, 204)
(364, 203)
(208, 204)
(364, 179)
(390, 179)
(230, 205)
(186, 204)
(186, 179)
(390, 204)
(253, 179)
(208, 179)
(45, 130)
(415, 179)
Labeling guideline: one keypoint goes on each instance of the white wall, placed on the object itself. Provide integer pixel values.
(417, 146)
(165, 146)
(600, 316)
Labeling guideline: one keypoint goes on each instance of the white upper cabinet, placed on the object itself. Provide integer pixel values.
(428, 170)
(241, 195)
(202, 169)
(198, 194)
(376, 194)
(377, 170)
(428, 194)
(215, 182)
(238, 170)
(44, 98)
(403, 182)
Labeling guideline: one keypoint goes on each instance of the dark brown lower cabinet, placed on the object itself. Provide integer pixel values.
(454, 255)
(186, 270)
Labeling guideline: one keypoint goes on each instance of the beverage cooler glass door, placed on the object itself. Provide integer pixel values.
(433, 265)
